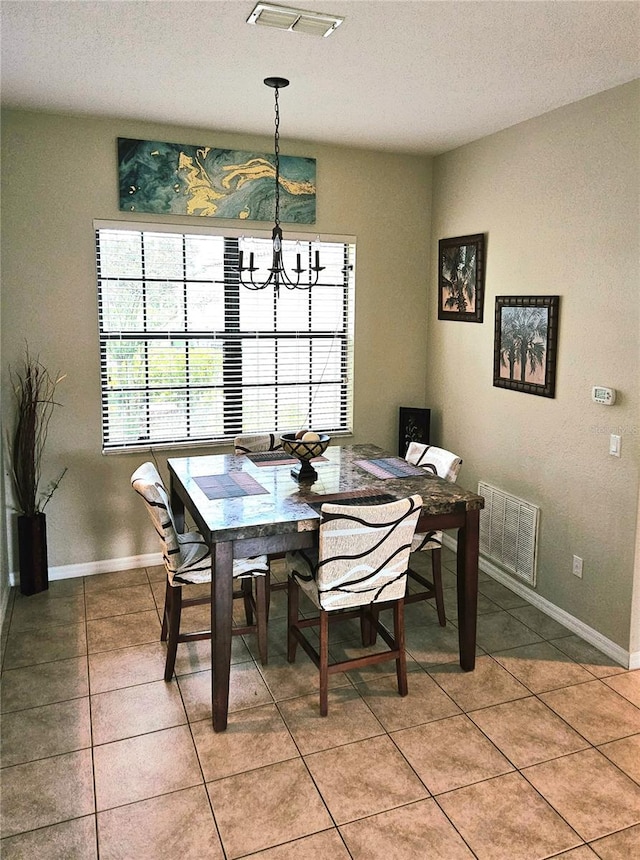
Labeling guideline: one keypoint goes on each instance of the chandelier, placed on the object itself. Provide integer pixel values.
(277, 274)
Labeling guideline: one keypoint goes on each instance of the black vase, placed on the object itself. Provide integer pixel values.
(32, 550)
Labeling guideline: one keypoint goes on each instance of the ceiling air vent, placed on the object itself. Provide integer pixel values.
(295, 20)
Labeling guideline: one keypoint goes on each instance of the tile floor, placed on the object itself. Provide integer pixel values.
(536, 754)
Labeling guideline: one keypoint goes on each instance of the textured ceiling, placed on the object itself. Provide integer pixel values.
(419, 77)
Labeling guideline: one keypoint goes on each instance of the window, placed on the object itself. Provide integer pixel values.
(188, 355)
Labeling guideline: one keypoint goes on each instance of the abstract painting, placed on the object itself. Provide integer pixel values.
(176, 179)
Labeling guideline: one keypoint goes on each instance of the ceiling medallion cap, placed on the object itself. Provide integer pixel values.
(276, 83)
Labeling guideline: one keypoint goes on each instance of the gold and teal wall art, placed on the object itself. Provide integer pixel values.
(176, 179)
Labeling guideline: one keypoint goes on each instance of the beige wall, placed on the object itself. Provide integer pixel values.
(557, 198)
(59, 173)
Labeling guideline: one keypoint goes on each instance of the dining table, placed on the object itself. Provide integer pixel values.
(248, 505)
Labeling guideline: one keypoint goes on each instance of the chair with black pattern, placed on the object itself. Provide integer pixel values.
(257, 443)
(360, 567)
(187, 559)
(445, 464)
(261, 443)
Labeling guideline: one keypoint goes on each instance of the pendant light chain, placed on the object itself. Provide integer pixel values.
(278, 275)
(276, 148)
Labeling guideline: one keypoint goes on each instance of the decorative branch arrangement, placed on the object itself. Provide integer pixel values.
(34, 389)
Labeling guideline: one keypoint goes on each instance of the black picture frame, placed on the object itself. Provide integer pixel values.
(526, 327)
(414, 426)
(461, 269)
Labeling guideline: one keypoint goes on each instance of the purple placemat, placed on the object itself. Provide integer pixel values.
(229, 486)
(389, 467)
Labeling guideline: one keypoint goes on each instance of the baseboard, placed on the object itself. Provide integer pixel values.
(589, 634)
(91, 568)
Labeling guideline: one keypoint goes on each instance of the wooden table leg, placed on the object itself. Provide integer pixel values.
(467, 567)
(221, 621)
(177, 507)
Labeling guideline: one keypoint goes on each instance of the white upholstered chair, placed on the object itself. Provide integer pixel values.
(361, 563)
(443, 463)
(257, 443)
(187, 559)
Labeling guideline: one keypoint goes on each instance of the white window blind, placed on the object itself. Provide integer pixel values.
(188, 355)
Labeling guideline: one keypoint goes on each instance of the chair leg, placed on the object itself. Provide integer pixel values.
(165, 612)
(267, 582)
(436, 568)
(368, 617)
(175, 610)
(398, 635)
(246, 585)
(324, 663)
(293, 601)
(262, 614)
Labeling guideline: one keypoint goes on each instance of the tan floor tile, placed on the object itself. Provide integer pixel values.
(506, 819)
(596, 711)
(543, 624)
(246, 690)
(589, 657)
(451, 604)
(70, 839)
(63, 786)
(590, 793)
(320, 846)
(450, 753)
(528, 732)
(44, 684)
(431, 644)
(254, 738)
(425, 702)
(121, 631)
(626, 754)
(412, 832)
(116, 579)
(581, 853)
(179, 824)
(288, 680)
(45, 731)
(619, 846)
(124, 667)
(488, 684)
(44, 646)
(364, 778)
(628, 685)
(542, 667)
(57, 588)
(348, 720)
(500, 594)
(157, 572)
(47, 611)
(145, 766)
(498, 631)
(119, 601)
(290, 809)
(135, 710)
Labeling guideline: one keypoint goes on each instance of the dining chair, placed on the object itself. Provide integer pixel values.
(187, 560)
(257, 443)
(444, 464)
(360, 563)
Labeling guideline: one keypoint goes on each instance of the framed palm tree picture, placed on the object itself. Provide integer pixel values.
(525, 344)
(461, 278)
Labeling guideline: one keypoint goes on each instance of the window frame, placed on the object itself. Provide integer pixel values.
(231, 337)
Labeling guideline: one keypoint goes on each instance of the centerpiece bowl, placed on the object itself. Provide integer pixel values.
(304, 451)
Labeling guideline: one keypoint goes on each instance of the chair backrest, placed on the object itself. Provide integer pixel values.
(257, 443)
(147, 482)
(364, 552)
(438, 461)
